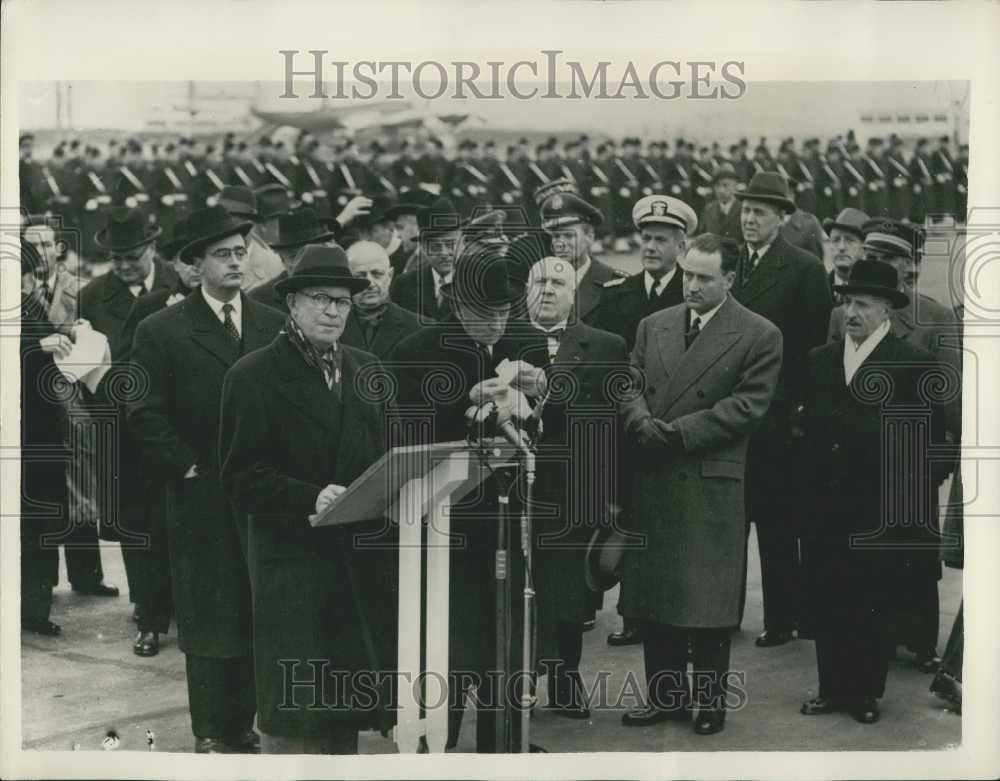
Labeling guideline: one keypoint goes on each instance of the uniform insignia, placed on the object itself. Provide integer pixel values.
(659, 208)
(556, 202)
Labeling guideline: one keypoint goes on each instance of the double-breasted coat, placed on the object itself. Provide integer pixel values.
(319, 593)
(689, 504)
(182, 353)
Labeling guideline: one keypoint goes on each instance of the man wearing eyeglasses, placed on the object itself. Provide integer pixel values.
(183, 352)
(425, 288)
(300, 421)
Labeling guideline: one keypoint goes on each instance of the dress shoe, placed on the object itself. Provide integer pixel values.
(213, 746)
(588, 625)
(769, 639)
(709, 721)
(248, 742)
(628, 636)
(41, 627)
(948, 688)
(97, 590)
(146, 644)
(817, 706)
(644, 717)
(927, 661)
(866, 712)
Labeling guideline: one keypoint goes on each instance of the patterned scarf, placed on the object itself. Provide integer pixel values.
(327, 361)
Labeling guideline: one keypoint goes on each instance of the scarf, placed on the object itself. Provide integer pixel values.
(327, 361)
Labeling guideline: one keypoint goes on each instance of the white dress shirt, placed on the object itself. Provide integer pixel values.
(439, 281)
(148, 282)
(855, 354)
(704, 318)
(216, 306)
(663, 281)
(551, 340)
(761, 251)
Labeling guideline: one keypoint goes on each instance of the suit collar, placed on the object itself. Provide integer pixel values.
(209, 333)
(769, 270)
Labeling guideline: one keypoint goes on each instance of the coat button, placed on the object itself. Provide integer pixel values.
(700, 394)
(835, 447)
(682, 476)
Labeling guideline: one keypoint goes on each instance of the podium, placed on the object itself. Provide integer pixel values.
(406, 485)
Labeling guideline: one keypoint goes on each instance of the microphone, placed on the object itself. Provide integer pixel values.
(509, 431)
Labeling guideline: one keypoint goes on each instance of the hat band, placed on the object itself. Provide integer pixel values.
(558, 222)
(664, 219)
(875, 238)
(236, 207)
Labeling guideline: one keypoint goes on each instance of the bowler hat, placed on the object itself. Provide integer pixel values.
(321, 266)
(481, 276)
(849, 220)
(209, 225)
(410, 203)
(126, 229)
(769, 187)
(272, 200)
(239, 201)
(875, 278)
(300, 227)
(178, 238)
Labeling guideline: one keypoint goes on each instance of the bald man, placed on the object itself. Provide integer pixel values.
(375, 324)
(577, 464)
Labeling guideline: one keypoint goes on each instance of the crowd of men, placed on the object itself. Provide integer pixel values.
(297, 316)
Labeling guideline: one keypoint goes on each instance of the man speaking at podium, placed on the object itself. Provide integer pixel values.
(436, 368)
(298, 426)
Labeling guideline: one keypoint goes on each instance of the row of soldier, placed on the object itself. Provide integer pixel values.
(397, 300)
(893, 179)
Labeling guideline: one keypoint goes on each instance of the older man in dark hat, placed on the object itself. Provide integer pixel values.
(933, 327)
(788, 286)
(297, 428)
(184, 352)
(296, 229)
(466, 347)
(859, 390)
(722, 216)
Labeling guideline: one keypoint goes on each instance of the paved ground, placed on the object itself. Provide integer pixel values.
(78, 686)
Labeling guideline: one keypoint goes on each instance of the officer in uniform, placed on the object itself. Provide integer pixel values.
(898, 177)
(570, 222)
(923, 201)
(722, 216)
(625, 187)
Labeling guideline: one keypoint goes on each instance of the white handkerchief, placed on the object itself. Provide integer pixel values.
(176, 297)
(506, 370)
(89, 352)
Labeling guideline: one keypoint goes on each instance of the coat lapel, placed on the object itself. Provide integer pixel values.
(572, 348)
(303, 387)
(208, 333)
(118, 299)
(719, 336)
(588, 294)
(388, 332)
(769, 270)
(255, 334)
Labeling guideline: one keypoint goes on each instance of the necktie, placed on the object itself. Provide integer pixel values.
(693, 332)
(751, 265)
(47, 293)
(654, 291)
(230, 326)
(552, 341)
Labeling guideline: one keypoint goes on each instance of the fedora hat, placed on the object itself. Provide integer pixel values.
(725, 171)
(300, 227)
(440, 216)
(379, 211)
(849, 220)
(481, 275)
(209, 225)
(874, 278)
(272, 201)
(769, 187)
(602, 563)
(411, 202)
(126, 229)
(239, 201)
(320, 266)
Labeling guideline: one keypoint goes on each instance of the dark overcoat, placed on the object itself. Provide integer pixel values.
(624, 303)
(396, 324)
(318, 593)
(728, 224)
(414, 290)
(689, 505)
(183, 352)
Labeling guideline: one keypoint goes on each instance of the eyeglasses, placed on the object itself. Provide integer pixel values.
(323, 301)
(224, 253)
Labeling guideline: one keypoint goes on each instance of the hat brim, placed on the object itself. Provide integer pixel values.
(192, 247)
(897, 298)
(293, 283)
(329, 236)
(400, 209)
(829, 224)
(150, 235)
(601, 565)
(785, 204)
(726, 175)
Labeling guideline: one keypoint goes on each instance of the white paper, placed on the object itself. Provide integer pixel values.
(88, 353)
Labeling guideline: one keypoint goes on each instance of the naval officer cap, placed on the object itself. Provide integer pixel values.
(566, 208)
(664, 210)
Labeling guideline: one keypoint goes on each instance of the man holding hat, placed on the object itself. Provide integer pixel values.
(571, 221)
(857, 544)
(664, 224)
(788, 286)
(297, 428)
(466, 347)
(722, 216)
(846, 244)
(184, 351)
(296, 229)
(930, 326)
